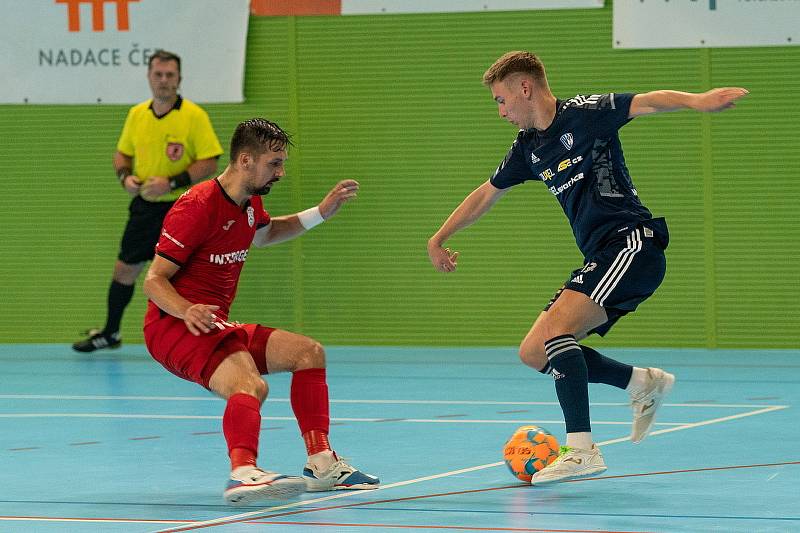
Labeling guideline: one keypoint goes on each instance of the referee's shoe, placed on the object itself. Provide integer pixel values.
(97, 340)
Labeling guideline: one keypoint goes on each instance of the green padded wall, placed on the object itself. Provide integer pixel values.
(396, 102)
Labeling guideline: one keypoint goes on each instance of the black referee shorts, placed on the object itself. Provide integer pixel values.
(626, 272)
(142, 230)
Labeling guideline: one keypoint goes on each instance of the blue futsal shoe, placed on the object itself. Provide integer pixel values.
(250, 484)
(338, 476)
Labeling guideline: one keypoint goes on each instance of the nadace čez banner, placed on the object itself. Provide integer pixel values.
(96, 51)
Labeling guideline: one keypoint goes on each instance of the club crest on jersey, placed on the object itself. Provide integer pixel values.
(534, 159)
(174, 151)
(567, 140)
(251, 216)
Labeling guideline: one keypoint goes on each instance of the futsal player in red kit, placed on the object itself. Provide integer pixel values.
(191, 284)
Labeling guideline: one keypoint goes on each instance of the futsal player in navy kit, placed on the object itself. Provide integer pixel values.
(573, 147)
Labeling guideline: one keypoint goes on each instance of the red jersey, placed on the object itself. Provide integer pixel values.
(208, 235)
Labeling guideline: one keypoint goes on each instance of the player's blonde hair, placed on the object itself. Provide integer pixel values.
(512, 63)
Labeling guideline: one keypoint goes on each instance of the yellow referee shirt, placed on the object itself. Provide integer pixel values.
(166, 146)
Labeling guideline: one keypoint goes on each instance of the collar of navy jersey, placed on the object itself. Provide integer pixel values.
(545, 132)
(228, 198)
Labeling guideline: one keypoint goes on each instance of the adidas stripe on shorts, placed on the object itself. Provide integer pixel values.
(621, 276)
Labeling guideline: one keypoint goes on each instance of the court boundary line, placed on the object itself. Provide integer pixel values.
(418, 497)
(355, 401)
(246, 516)
(333, 419)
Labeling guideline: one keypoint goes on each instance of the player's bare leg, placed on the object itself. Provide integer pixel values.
(552, 342)
(238, 381)
(305, 358)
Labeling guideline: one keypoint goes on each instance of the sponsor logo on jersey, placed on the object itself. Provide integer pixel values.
(565, 164)
(534, 159)
(547, 174)
(228, 225)
(578, 279)
(567, 140)
(566, 185)
(227, 259)
(251, 216)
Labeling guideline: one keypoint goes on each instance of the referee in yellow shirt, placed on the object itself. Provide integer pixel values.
(166, 145)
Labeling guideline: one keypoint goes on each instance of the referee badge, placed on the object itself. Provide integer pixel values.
(251, 216)
(174, 151)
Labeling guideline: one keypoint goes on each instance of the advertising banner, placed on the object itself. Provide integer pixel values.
(705, 23)
(96, 51)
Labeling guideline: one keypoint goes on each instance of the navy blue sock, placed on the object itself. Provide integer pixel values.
(571, 378)
(603, 369)
(119, 296)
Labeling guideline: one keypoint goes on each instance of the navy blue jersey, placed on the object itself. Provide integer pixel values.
(579, 158)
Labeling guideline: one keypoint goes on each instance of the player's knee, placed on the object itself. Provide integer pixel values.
(531, 353)
(255, 386)
(126, 273)
(252, 385)
(311, 356)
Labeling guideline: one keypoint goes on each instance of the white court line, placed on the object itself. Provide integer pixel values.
(333, 419)
(239, 517)
(352, 401)
(227, 519)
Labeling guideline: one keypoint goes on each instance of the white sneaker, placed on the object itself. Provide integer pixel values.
(571, 463)
(251, 484)
(646, 403)
(338, 476)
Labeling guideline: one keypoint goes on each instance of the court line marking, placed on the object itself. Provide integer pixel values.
(190, 524)
(245, 516)
(259, 520)
(352, 401)
(425, 496)
(336, 524)
(333, 419)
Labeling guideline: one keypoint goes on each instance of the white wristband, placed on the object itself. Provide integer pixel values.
(310, 217)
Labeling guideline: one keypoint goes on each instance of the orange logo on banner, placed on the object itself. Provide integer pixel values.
(278, 8)
(98, 13)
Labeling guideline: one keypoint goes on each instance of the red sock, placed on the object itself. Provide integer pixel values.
(309, 397)
(316, 441)
(241, 424)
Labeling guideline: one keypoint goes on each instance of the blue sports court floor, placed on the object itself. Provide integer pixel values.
(113, 442)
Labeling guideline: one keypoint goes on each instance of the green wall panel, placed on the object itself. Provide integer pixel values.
(396, 102)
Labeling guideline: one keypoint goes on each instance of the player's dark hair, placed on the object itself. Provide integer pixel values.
(257, 135)
(512, 63)
(163, 55)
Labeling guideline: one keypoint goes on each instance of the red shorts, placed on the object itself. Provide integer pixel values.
(195, 358)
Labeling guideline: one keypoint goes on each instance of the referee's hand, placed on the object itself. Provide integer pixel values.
(132, 184)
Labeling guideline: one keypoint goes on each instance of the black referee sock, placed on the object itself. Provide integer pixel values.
(119, 296)
(571, 378)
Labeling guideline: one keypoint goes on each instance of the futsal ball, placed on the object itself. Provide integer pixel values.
(529, 449)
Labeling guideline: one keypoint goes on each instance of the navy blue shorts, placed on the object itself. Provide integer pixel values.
(623, 274)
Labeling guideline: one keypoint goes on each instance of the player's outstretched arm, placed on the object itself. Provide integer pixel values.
(288, 227)
(711, 101)
(471, 209)
(157, 286)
